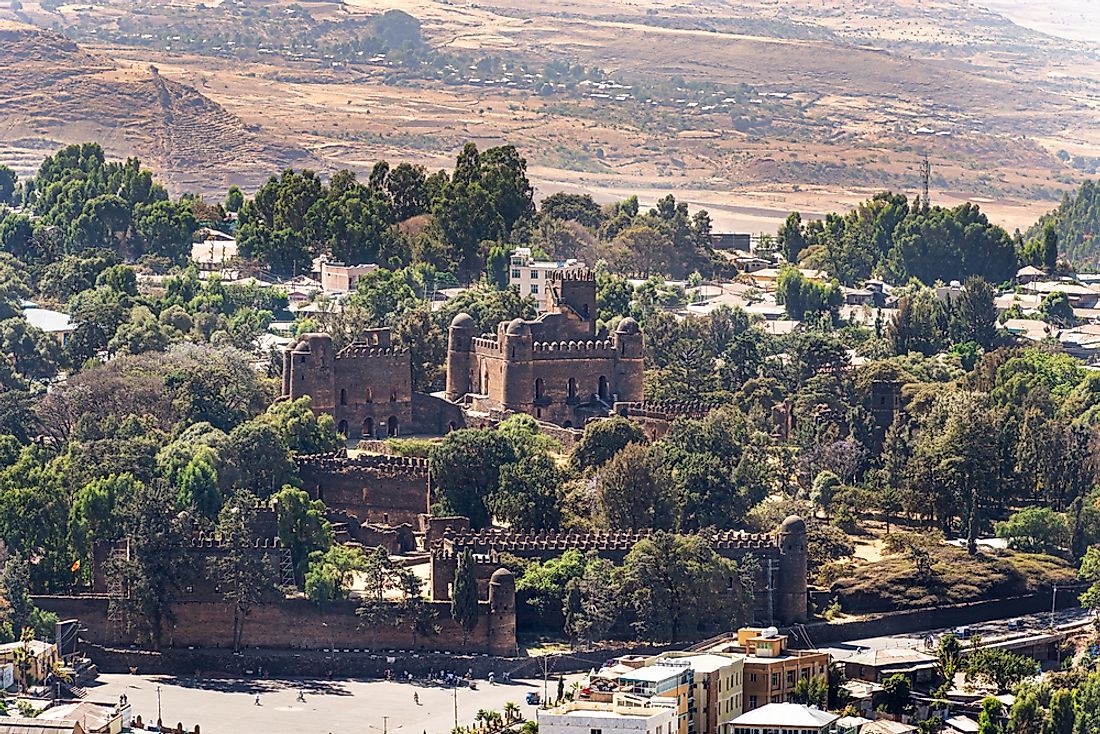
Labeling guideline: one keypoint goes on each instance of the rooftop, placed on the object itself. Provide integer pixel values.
(36, 646)
(891, 656)
(701, 663)
(652, 674)
(47, 320)
(93, 715)
(39, 726)
(785, 714)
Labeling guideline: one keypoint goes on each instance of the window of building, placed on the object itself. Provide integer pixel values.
(775, 680)
(790, 677)
(805, 673)
(534, 275)
(515, 273)
(572, 387)
(343, 396)
(534, 287)
(752, 677)
(539, 388)
(753, 702)
(595, 731)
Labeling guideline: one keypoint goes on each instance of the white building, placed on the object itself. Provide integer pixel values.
(55, 323)
(214, 250)
(7, 676)
(530, 275)
(789, 718)
(656, 716)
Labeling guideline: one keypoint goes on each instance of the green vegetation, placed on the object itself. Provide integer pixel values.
(1074, 224)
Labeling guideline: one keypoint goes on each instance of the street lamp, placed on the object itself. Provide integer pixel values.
(159, 715)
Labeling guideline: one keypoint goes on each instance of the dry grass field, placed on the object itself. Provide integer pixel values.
(814, 104)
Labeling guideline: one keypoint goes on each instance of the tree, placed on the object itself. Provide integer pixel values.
(8, 180)
(974, 315)
(632, 491)
(242, 570)
(421, 334)
(596, 597)
(198, 485)
(234, 199)
(302, 431)
(896, 690)
(529, 496)
(1062, 717)
(1035, 530)
(302, 527)
(464, 596)
(332, 571)
(602, 440)
(92, 517)
(157, 565)
(1057, 310)
(791, 237)
(1000, 669)
(989, 720)
(811, 691)
(1026, 715)
(678, 588)
(465, 470)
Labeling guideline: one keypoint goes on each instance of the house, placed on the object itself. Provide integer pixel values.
(96, 718)
(1030, 329)
(531, 276)
(789, 718)
(1079, 296)
(1029, 274)
(719, 690)
(766, 279)
(730, 241)
(656, 716)
(7, 676)
(336, 277)
(960, 725)
(39, 726)
(850, 724)
(55, 323)
(886, 726)
(214, 250)
(1026, 301)
(878, 665)
(43, 655)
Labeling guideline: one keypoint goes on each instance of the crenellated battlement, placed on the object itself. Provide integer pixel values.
(363, 350)
(486, 343)
(340, 462)
(601, 541)
(214, 541)
(665, 410)
(565, 349)
(583, 276)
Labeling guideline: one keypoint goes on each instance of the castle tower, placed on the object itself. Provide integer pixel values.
(629, 366)
(312, 370)
(573, 290)
(459, 355)
(791, 590)
(502, 613)
(518, 344)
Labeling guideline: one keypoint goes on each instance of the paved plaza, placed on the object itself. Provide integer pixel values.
(227, 706)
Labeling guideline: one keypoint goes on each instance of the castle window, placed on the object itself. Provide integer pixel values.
(538, 389)
(572, 387)
(343, 429)
(343, 396)
(603, 388)
(370, 395)
(393, 396)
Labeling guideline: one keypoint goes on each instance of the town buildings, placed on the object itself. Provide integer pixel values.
(787, 718)
(337, 277)
(718, 689)
(771, 669)
(590, 717)
(213, 250)
(530, 276)
(43, 656)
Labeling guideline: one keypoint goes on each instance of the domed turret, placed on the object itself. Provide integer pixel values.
(793, 524)
(628, 326)
(793, 568)
(464, 321)
(518, 327)
(502, 590)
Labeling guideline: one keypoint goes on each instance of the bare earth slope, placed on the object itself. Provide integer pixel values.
(52, 92)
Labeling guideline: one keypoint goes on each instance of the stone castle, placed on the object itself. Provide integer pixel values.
(553, 367)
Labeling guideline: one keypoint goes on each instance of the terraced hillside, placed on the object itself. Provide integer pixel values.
(53, 92)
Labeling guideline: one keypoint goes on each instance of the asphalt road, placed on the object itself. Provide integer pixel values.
(227, 706)
(987, 630)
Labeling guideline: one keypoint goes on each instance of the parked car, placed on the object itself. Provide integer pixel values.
(533, 698)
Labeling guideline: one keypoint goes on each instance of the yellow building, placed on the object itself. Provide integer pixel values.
(660, 681)
(718, 683)
(41, 659)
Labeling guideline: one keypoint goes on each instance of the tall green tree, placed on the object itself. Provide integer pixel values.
(464, 596)
(242, 570)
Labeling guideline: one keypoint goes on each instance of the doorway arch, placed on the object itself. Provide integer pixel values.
(368, 427)
(343, 428)
(391, 426)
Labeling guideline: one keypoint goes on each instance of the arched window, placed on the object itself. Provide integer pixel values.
(343, 428)
(572, 387)
(393, 396)
(603, 388)
(538, 388)
(343, 396)
(370, 395)
(391, 426)
(368, 427)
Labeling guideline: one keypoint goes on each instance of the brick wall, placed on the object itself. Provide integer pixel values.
(373, 489)
(288, 625)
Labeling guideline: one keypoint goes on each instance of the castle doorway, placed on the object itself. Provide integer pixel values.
(603, 388)
(391, 426)
(343, 428)
(368, 427)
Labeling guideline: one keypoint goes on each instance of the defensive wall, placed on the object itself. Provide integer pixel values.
(388, 490)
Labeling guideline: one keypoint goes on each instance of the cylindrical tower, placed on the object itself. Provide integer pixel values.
(629, 361)
(460, 345)
(791, 589)
(518, 389)
(502, 613)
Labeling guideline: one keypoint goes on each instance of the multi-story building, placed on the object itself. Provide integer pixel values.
(673, 682)
(772, 670)
(653, 716)
(531, 276)
(337, 277)
(718, 681)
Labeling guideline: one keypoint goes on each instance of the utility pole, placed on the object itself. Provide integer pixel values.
(1053, 604)
(456, 705)
(385, 724)
(159, 715)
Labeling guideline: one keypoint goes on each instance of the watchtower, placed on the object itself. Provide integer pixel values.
(792, 591)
